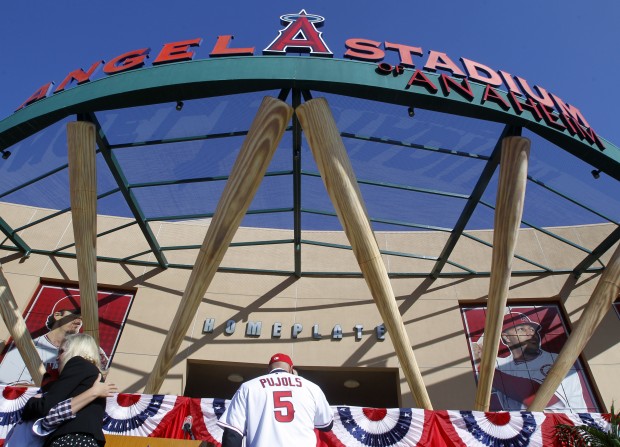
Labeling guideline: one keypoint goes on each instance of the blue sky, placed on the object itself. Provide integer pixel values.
(564, 46)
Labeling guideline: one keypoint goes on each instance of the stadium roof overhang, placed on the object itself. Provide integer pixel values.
(224, 76)
(296, 79)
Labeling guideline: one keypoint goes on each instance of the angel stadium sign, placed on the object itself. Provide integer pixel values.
(392, 72)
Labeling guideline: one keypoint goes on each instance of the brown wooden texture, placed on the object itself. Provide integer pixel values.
(16, 325)
(246, 175)
(83, 193)
(335, 167)
(508, 213)
(138, 441)
(605, 293)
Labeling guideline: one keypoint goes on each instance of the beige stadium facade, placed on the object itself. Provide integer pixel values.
(430, 308)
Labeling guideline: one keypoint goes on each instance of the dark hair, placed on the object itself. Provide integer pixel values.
(49, 323)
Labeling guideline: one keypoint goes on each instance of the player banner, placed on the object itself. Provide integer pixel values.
(531, 338)
(54, 312)
(163, 416)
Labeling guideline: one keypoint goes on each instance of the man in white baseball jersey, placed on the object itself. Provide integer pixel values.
(279, 409)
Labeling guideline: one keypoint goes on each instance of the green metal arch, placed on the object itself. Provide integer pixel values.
(223, 76)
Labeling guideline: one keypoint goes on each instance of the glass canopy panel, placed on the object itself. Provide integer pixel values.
(51, 192)
(483, 217)
(179, 201)
(283, 157)
(396, 203)
(569, 175)
(114, 205)
(562, 188)
(196, 200)
(413, 167)
(311, 222)
(273, 193)
(176, 162)
(34, 156)
(105, 179)
(36, 172)
(544, 208)
(232, 113)
(439, 153)
(433, 129)
(408, 207)
(314, 197)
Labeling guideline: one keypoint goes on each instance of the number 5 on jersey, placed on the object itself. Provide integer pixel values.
(283, 409)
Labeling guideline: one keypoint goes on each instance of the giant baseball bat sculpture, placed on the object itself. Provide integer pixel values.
(605, 293)
(16, 325)
(256, 152)
(339, 179)
(508, 213)
(83, 192)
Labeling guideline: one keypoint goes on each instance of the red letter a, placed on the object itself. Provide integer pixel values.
(300, 35)
(39, 94)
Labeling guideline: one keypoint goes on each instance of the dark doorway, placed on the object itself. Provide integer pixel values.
(360, 387)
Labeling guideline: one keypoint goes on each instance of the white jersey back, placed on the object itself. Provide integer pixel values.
(278, 409)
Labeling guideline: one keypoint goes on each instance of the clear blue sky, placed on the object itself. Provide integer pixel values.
(568, 47)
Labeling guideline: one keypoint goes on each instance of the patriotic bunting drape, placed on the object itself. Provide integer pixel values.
(162, 416)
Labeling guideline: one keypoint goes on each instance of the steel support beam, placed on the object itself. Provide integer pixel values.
(121, 181)
(297, 185)
(472, 202)
(14, 237)
(607, 243)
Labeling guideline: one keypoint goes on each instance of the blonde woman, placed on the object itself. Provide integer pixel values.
(80, 366)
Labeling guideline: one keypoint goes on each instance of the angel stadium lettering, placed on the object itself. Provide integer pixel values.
(301, 35)
(253, 329)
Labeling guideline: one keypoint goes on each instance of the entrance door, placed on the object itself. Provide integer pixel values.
(360, 387)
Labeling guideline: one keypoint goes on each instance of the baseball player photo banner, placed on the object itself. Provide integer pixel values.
(531, 339)
(51, 315)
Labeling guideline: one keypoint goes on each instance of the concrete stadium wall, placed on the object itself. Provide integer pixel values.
(430, 309)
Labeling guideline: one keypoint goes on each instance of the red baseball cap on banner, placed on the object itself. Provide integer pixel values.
(281, 358)
(71, 303)
(513, 319)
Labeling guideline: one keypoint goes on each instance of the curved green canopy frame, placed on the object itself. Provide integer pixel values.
(301, 77)
(223, 76)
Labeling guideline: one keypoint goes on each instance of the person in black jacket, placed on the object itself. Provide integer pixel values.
(80, 366)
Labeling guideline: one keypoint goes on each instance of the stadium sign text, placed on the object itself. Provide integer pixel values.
(301, 34)
(254, 329)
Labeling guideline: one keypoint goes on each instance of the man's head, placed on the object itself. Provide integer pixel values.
(66, 314)
(281, 361)
(519, 332)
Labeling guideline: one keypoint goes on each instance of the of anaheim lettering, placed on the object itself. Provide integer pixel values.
(301, 34)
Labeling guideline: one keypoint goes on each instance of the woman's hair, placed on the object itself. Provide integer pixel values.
(82, 345)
